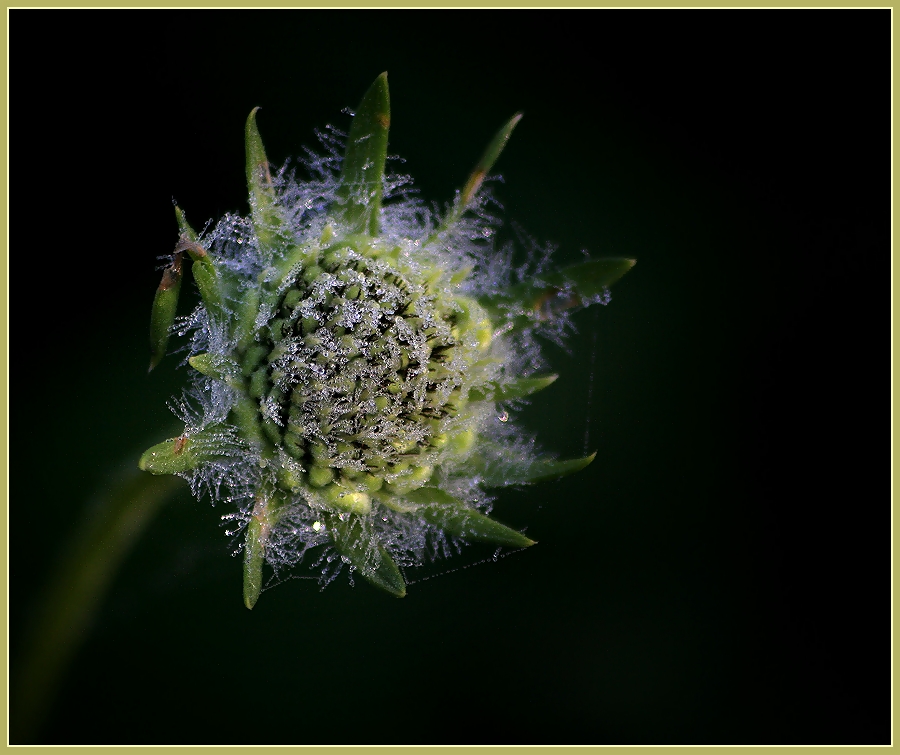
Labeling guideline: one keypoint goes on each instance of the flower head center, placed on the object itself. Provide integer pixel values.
(364, 365)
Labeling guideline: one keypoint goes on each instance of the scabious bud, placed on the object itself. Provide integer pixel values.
(349, 355)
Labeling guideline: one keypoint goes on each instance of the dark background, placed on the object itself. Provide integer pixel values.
(720, 574)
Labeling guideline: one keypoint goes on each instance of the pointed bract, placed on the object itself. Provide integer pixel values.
(264, 517)
(511, 389)
(170, 457)
(476, 179)
(455, 517)
(184, 227)
(362, 172)
(268, 219)
(165, 304)
(546, 296)
(254, 556)
(354, 539)
(189, 451)
(512, 471)
(584, 281)
(547, 470)
(590, 278)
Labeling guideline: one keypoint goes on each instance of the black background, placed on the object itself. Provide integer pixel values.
(720, 574)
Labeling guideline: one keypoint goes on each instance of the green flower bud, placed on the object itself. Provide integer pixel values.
(348, 359)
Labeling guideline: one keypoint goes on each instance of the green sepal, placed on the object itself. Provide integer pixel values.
(254, 556)
(528, 302)
(371, 559)
(165, 305)
(498, 475)
(358, 203)
(512, 389)
(181, 454)
(482, 168)
(453, 516)
(268, 219)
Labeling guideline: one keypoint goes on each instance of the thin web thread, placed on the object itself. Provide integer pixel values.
(493, 559)
(590, 395)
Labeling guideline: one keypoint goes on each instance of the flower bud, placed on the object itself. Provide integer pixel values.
(348, 358)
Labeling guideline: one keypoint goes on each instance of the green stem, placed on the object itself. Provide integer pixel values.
(76, 590)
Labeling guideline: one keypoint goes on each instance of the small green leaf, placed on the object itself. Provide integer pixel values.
(362, 172)
(512, 389)
(272, 231)
(217, 367)
(254, 556)
(497, 474)
(245, 326)
(170, 457)
(215, 284)
(207, 365)
(202, 268)
(550, 293)
(545, 470)
(207, 281)
(184, 453)
(591, 277)
(453, 516)
(427, 495)
(482, 168)
(245, 413)
(267, 510)
(354, 540)
(268, 219)
(165, 304)
(184, 227)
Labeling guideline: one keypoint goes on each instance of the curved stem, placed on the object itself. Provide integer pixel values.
(76, 589)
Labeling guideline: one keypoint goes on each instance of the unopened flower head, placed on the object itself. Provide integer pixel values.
(352, 354)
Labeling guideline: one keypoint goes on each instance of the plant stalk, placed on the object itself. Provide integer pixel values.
(63, 613)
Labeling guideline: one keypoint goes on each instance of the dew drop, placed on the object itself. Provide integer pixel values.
(503, 417)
